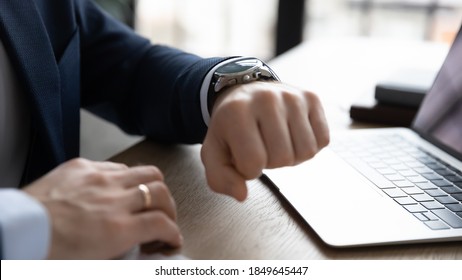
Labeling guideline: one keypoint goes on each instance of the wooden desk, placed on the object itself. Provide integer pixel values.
(264, 226)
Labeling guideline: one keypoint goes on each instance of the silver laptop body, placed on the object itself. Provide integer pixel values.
(388, 186)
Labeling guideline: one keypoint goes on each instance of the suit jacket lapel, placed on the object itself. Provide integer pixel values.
(26, 40)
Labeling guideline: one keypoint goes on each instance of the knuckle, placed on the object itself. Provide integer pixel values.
(155, 221)
(79, 162)
(309, 95)
(232, 106)
(267, 99)
(115, 224)
(97, 178)
(123, 165)
(313, 99)
(250, 170)
(213, 182)
(290, 98)
(324, 140)
(110, 199)
(307, 153)
(159, 173)
(155, 172)
(161, 189)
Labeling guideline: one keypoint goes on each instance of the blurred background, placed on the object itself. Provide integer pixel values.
(265, 29)
(248, 27)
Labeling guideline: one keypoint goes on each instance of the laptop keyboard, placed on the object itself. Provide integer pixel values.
(421, 183)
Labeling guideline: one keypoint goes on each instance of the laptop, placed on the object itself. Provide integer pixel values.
(391, 185)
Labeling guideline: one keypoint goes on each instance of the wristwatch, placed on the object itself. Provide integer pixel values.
(238, 71)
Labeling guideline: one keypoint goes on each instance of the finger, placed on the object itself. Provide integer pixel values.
(221, 174)
(247, 150)
(109, 166)
(138, 175)
(318, 121)
(160, 197)
(303, 140)
(274, 130)
(155, 226)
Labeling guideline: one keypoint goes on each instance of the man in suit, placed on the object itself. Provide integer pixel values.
(57, 56)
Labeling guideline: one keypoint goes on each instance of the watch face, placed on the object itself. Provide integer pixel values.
(238, 66)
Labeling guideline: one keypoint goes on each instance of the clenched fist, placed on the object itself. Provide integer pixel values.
(257, 126)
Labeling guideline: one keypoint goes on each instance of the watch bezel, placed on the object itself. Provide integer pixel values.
(257, 72)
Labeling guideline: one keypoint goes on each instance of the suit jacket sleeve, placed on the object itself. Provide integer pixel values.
(146, 89)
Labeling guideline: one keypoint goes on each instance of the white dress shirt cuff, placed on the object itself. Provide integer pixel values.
(25, 226)
(205, 89)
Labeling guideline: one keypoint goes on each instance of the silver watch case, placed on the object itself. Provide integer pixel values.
(253, 70)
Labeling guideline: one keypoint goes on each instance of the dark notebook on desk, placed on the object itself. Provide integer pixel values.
(368, 109)
(396, 98)
(405, 87)
(388, 186)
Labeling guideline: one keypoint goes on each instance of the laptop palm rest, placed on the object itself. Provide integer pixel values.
(342, 206)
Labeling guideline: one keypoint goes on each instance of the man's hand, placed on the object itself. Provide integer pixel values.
(96, 209)
(257, 126)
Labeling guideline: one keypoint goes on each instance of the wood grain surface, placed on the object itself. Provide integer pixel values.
(263, 227)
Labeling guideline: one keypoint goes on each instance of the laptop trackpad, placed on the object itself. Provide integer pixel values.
(341, 205)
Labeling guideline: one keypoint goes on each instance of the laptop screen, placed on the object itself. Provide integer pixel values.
(440, 116)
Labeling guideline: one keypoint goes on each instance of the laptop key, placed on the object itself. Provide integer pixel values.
(454, 207)
(451, 190)
(430, 216)
(371, 174)
(446, 199)
(444, 172)
(423, 197)
(436, 192)
(394, 177)
(412, 190)
(430, 205)
(457, 196)
(426, 186)
(435, 166)
(386, 171)
(407, 172)
(428, 161)
(418, 166)
(448, 217)
(417, 179)
(378, 165)
(436, 225)
(453, 178)
(393, 193)
(422, 169)
(401, 168)
(421, 217)
(415, 208)
(431, 176)
(403, 184)
(441, 183)
(405, 200)
(392, 160)
(459, 214)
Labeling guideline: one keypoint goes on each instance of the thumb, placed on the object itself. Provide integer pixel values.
(220, 172)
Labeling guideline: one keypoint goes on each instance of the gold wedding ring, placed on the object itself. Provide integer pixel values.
(146, 196)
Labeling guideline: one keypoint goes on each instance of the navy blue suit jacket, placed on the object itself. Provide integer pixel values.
(69, 54)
